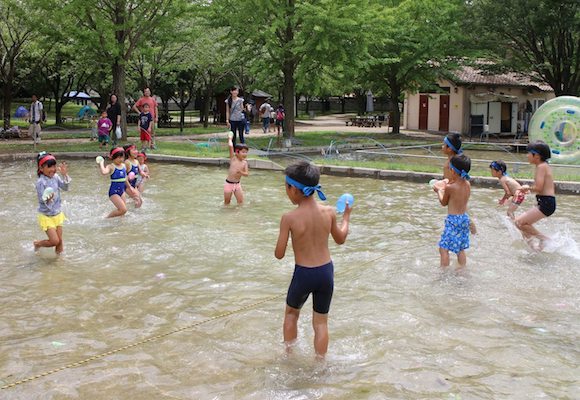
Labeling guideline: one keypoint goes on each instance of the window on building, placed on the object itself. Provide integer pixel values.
(537, 103)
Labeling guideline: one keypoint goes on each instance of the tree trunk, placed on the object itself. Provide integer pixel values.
(206, 104)
(119, 89)
(7, 102)
(289, 103)
(396, 114)
(181, 115)
(58, 104)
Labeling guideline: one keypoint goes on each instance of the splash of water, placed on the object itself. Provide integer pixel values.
(563, 243)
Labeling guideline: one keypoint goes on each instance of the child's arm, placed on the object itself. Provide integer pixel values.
(507, 192)
(282, 243)
(339, 234)
(245, 169)
(231, 144)
(63, 183)
(143, 171)
(443, 194)
(105, 170)
(539, 179)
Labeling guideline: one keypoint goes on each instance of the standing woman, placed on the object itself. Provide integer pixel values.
(114, 114)
(234, 114)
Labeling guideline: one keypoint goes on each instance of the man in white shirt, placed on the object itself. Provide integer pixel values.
(35, 118)
(265, 110)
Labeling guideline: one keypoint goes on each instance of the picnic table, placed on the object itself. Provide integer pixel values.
(367, 121)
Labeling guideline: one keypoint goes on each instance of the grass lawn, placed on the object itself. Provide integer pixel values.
(170, 148)
(323, 139)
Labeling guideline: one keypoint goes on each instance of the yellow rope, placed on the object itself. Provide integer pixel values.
(153, 338)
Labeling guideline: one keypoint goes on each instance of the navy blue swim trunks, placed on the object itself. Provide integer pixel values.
(316, 280)
(546, 204)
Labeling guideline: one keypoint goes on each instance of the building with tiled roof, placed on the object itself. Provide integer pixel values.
(471, 100)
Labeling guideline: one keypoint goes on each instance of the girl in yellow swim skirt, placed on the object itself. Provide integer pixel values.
(48, 187)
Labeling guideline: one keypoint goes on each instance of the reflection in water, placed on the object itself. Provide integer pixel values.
(400, 327)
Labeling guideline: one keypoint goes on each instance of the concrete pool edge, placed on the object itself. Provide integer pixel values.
(562, 187)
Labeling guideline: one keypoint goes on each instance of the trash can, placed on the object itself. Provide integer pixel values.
(311, 114)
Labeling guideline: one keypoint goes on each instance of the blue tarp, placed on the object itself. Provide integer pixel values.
(86, 111)
(21, 112)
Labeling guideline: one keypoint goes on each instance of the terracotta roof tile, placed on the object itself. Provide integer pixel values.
(473, 75)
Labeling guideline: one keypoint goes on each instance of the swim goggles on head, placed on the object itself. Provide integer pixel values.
(497, 167)
(307, 190)
(461, 173)
(450, 145)
(533, 151)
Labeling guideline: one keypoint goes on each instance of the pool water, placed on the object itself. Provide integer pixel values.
(400, 327)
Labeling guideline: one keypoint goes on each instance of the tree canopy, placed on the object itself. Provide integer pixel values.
(193, 49)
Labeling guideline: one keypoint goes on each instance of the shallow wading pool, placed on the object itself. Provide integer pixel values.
(400, 327)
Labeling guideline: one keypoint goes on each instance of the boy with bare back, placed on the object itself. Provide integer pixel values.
(310, 225)
(538, 155)
(511, 187)
(455, 195)
(238, 168)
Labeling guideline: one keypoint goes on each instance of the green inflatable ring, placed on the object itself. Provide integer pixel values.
(557, 122)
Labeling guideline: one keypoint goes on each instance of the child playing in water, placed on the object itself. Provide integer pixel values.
(510, 186)
(309, 224)
(455, 195)
(133, 173)
(538, 154)
(238, 168)
(144, 175)
(119, 182)
(452, 147)
(48, 186)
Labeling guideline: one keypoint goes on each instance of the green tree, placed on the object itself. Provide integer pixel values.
(292, 33)
(114, 29)
(409, 44)
(16, 32)
(542, 36)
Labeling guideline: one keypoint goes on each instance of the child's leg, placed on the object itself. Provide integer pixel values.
(462, 258)
(60, 246)
(52, 241)
(511, 211)
(239, 193)
(525, 222)
(136, 196)
(119, 202)
(444, 253)
(227, 197)
(290, 328)
(320, 325)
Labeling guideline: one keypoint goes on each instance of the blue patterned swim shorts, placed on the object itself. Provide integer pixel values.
(455, 236)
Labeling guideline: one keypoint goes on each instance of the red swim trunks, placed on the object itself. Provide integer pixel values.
(519, 198)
